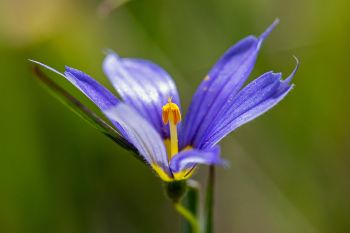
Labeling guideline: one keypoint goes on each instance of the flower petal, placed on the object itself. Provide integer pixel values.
(142, 135)
(97, 93)
(100, 95)
(225, 79)
(256, 98)
(189, 158)
(143, 85)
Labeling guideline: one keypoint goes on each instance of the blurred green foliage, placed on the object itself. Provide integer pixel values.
(290, 168)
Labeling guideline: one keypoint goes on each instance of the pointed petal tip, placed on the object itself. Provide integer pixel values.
(47, 67)
(296, 59)
(110, 59)
(72, 70)
(225, 164)
(269, 29)
(108, 51)
(37, 62)
(220, 161)
(290, 77)
(69, 70)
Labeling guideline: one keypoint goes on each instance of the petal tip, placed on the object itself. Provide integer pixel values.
(70, 71)
(290, 77)
(225, 164)
(47, 67)
(111, 54)
(108, 51)
(109, 61)
(296, 59)
(269, 29)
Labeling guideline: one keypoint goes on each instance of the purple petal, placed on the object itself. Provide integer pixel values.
(102, 97)
(255, 99)
(189, 158)
(225, 79)
(143, 85)
(97, 93)
(141, 134)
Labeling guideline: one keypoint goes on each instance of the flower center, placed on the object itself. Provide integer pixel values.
(171, 115)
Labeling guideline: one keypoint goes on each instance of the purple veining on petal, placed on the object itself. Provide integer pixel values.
(141, 134)
(256, 98)
(256, 91)
(143, 85)
(102, 97)
(225, 79)
(187, 159)
(97, 93)
(219, 106)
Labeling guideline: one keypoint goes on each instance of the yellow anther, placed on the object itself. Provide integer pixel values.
(171, 114)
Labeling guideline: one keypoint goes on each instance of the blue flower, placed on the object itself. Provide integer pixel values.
(149, 115)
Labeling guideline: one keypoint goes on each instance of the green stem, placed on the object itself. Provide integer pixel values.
(209, 202)
(188, 216)
(191, 202)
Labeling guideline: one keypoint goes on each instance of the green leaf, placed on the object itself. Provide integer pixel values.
(82, 111)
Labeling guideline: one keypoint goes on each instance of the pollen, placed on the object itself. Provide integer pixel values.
(171, 112)
(171, 115)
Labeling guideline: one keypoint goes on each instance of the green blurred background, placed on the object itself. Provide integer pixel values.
(289, 168)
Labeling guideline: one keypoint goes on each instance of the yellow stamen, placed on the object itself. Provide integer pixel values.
(171, 114)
